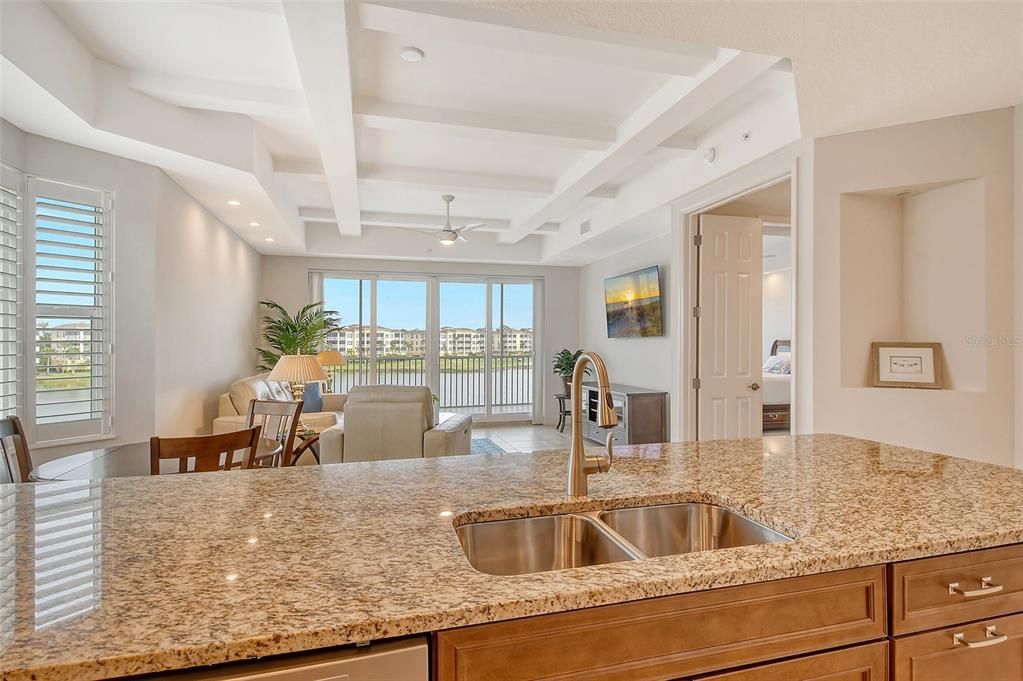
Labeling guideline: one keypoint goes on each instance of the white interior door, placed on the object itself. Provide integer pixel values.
(729, 370)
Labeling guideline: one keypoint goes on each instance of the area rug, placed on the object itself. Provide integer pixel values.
(482, 445)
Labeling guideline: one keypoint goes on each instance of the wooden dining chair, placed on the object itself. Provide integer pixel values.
(279, 420)
(207, 450)
(17, 461)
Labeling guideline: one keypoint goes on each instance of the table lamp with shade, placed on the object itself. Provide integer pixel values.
(297, 370)
(329, 359)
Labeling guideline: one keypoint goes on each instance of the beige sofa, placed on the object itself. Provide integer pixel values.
(393, 422)
(233, 407)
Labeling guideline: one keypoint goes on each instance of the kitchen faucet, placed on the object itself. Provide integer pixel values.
(580, 466)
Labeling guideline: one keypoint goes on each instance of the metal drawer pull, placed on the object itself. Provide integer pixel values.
(992, 637)
(987, 587)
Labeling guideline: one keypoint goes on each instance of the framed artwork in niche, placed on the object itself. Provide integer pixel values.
(907, 365)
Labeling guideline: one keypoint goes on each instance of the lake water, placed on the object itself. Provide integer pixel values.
(463, 389)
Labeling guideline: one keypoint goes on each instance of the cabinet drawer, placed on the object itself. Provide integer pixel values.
(935, 655)
(862, 663)
(674, 636)
(922, 599)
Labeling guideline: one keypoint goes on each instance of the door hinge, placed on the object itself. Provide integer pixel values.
(696, 311)
(697, 239)
(696, 384)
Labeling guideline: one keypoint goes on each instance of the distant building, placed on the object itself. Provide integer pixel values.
(354, 340)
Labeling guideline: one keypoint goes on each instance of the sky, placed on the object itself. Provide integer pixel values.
(402, 304)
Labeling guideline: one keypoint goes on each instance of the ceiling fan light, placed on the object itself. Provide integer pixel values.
(448, 237)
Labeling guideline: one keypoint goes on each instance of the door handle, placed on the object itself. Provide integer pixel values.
(754, 386)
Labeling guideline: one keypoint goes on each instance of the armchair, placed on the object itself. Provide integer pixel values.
(393, 422)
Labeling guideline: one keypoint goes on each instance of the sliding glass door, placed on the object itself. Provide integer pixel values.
(401, 329)
(470, 340)
(351, 298)
(383, 330)
(461, 346)
(511, 348)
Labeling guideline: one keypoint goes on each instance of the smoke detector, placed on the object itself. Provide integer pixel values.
(710, 155)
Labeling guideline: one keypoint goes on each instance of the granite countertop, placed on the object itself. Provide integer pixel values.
(130, 575)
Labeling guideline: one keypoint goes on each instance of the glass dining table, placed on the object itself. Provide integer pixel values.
(119, 461)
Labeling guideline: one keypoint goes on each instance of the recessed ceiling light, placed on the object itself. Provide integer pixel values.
(231, 577)
(234, 202)
(412, 54)
(253, 224)
(269, 239)
(446, 514)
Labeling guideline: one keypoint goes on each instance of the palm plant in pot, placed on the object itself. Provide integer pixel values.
(304, 333)
(564, 365)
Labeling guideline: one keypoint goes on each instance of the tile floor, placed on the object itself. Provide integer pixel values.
(524, 437)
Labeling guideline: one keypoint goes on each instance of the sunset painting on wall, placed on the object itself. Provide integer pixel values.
(633, 303)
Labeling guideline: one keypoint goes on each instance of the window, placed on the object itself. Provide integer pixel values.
(10, 228)
(433, 330)
(71, 375)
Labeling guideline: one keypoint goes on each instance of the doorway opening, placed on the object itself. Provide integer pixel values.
(743, 293)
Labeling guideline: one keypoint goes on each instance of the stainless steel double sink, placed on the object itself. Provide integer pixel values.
(556, 542)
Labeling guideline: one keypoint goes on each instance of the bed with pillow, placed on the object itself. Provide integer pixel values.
(777, 386)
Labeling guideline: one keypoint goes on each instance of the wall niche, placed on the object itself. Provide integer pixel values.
(912, 269)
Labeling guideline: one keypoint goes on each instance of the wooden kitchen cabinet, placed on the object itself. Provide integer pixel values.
(992, 580)
(860, 663)
(937, 656)
(672, 637)
(957, 617)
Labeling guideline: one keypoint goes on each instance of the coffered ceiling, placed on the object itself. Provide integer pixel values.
(307, 114)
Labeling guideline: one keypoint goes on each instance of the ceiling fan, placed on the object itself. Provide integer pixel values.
(449, 235)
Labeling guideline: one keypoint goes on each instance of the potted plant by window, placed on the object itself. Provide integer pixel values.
(305, 333)
(564, 365)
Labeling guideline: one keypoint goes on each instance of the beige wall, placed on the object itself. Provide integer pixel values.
(977, 424)
(207, 285)
(943, 298)
(1017, 182)
(643, 362)
(167, 251)
(285, 280)
(871, 271)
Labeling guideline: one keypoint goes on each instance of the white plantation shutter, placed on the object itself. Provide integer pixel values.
(70, 312)
(68, 541)
(11, 226)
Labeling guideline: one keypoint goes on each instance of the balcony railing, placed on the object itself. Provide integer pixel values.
(462, 379)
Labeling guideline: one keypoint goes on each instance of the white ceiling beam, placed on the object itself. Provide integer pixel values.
(418, 221)
(435, 120)
(681, 142)
(413, 220)
(312, 170)
(442, 180)
(445, 180)
(466, 24)
(678, 103)
(214, 95)
(319, 38)
(428, 120)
